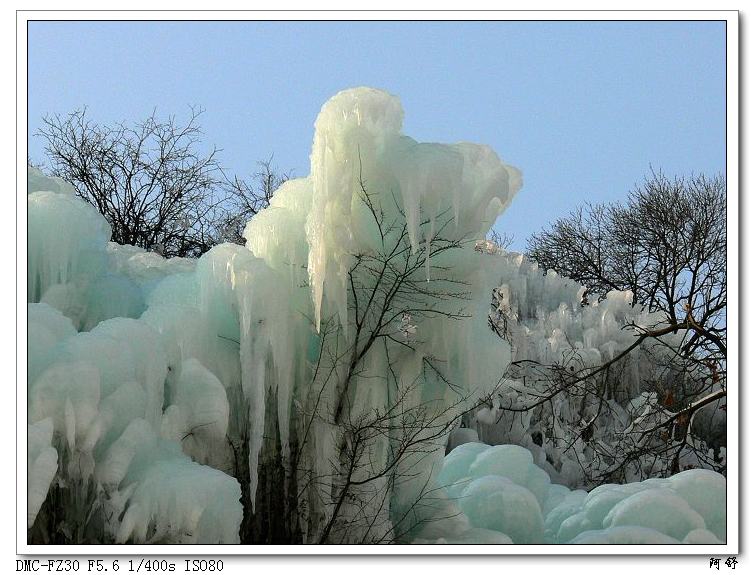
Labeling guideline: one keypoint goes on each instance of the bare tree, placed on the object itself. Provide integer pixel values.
(248, 197)
(151, 180)
(502, 241)
(34, 164)
(583, 411)
(667, 245)
(494, 243)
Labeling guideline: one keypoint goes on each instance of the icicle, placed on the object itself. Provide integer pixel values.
(253, 386)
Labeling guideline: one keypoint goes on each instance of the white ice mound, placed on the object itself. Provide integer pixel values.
(500, 488)
(705, 492)
(494, 502)
(660, 509)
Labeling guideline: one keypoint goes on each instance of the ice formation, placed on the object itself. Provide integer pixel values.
(96, 396)
(499, 488)
(42, 466)
(548, 321)
(351, 328)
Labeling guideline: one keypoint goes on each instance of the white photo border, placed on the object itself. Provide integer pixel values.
(732, 545)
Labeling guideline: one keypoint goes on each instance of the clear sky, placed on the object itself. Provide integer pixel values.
(583, 109)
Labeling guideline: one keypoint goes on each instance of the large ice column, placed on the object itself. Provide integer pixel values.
(352, 128)
(381, 200)
(359, 150)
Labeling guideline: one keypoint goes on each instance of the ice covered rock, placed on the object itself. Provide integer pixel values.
(570, 504)
(476, 460)
(656, 504)
(515, 463)
(456, 464)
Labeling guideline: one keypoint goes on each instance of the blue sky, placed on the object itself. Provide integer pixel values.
(582, 108)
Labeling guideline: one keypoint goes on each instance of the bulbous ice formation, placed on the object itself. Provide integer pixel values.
(96, 398)
(495, 488)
